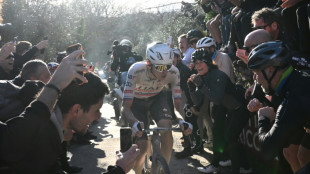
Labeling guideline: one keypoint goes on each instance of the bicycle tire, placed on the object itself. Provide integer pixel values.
(160, 166)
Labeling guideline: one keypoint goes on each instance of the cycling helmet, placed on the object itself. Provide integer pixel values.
(203, 55)
(194, 33)
(205, 42)
(159, 54)
(126, 42)
(177, 51)
(273, 53)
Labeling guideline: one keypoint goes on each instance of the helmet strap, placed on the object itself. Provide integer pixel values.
(271, 91)
(151, 70)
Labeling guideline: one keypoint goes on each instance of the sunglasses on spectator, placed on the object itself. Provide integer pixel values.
(194, 41)
(161, 68)
(262, 27)
(249, 48)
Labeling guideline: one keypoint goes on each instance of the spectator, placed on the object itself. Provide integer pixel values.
(222, 20)
(216, 118)
(270, 21)
(25, 52)
(210, 84)
(38, 134)
(33, 70)
(189, 116)
(7, 61)
(185, 49)
(270, 62)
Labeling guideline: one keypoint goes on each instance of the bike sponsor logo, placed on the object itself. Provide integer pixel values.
(147, 88)
(129, 84)
(249, 134)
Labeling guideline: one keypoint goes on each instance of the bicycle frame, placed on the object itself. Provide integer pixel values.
(158, 161)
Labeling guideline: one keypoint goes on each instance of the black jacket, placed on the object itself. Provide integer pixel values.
(218, 88)
(30, 143)
(291, 115)
(5, 76)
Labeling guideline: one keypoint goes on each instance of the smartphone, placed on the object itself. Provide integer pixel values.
(125, 138)
(71, 49)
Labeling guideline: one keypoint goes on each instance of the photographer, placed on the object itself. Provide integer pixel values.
(123, 58)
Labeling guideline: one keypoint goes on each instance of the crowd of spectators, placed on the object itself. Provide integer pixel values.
(239, 28)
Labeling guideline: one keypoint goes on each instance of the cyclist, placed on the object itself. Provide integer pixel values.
(144, 93)
(271, 63)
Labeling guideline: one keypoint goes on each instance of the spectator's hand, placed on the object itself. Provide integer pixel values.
(307, 130)
(191, 66)
(236, 2)
(240, 53)
(289, 3)
(196, 79)
(267, 112)
(249, 91)
(6, 50)
(254, 105)
(137, 128)
(68, 70)
(188, 129)
(129, 158)
(42, 44)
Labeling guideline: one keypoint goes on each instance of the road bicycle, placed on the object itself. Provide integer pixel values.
(159, 163)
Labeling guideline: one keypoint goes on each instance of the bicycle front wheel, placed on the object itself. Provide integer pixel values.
(160, 166)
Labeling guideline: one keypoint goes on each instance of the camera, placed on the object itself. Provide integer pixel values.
(116, 49)
(187, 110)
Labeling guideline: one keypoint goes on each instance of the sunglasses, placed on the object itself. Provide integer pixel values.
(262, 27)
(161, 68)
(193, 41)
(249, 48)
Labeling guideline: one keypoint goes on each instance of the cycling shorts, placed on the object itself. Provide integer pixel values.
(157, 106)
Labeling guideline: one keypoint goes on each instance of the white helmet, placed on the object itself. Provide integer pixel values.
(159, 53)
(177, 51)
(205, 42)
(126, 42)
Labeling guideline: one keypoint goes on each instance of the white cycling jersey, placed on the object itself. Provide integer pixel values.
(139, 85)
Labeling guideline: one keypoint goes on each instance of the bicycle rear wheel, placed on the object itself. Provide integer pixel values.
(160, 166)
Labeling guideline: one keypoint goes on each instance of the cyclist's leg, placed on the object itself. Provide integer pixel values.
(139, 109)
(161, 113)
